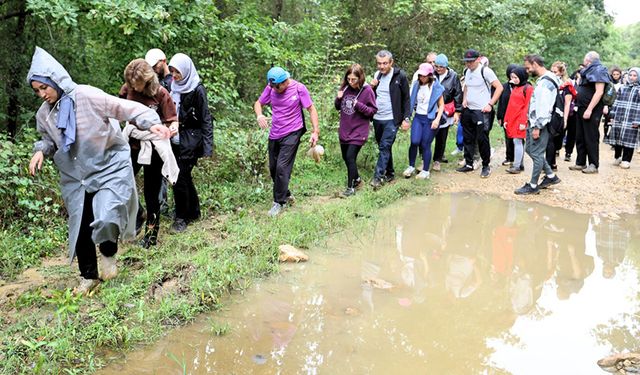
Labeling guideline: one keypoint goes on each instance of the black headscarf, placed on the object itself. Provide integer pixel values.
(510, 69)
(522, 74)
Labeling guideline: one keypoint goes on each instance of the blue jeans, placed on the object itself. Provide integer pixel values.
(385, 132)
(460, 137)
(421, 135)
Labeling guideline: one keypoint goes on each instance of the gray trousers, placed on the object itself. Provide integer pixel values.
(536, 149)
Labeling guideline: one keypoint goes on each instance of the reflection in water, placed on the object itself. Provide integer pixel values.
(452, 284)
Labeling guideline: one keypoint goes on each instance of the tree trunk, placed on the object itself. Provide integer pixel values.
(15, 78)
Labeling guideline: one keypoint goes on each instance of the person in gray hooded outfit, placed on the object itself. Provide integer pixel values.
(93, 158)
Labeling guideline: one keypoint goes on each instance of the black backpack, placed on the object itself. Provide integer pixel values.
(609, 95)
(556, 125)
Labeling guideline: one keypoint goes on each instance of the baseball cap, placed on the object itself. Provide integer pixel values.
(425, 69)
(154, 55)
(277, 75)
(442, 60)
(471, 55)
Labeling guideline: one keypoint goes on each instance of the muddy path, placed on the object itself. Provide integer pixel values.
(610, 192)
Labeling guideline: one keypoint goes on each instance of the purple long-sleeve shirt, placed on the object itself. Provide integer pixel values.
(354, 119)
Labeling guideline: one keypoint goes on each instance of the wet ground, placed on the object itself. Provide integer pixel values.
(449, 284)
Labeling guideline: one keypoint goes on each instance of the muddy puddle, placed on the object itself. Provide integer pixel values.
(451, 284)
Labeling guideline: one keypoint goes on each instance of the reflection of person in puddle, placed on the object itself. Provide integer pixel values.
(612, 239)
(414, 269)
(573, 264)
(463, 276)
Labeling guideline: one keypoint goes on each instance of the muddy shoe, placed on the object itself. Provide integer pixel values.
(591, 169)
(527, 189)
(486, 172)
(358, 184)
(423, 175)
(513, 170)
(465, 169)
(577, 167)
(625, 165)
(376, 183)
(409, 172)
(291, 200)
(86, 286)
(617, 162)
(347, 193)
(546, 182)
(506, 162)
(275, 210)
(436, 166)
(178, 226)
(108, 267)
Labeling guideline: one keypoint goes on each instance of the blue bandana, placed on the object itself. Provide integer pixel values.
(66, 116)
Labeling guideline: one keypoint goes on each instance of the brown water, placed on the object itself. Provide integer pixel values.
(479, 286)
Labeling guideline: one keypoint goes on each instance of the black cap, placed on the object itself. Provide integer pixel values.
(471, 55)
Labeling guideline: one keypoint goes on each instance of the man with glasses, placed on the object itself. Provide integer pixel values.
(477, 103)
(392, 99)
(287, 98)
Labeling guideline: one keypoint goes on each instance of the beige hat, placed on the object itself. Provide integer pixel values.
(154, 55)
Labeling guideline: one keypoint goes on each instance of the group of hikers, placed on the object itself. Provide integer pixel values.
(169, 127)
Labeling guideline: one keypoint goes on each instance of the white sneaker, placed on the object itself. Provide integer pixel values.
(456, 151)
(436, 166)
(275, 209)
(617, 162)
(108, 267)
(462, 163)
(408, 172)
(625, 165)
(423, 175)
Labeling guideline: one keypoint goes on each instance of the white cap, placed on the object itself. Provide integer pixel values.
(154, 55)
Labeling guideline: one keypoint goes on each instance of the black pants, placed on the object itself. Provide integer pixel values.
(508, 142)
(570, 133)
(152, 183)
(476, 127)
(625, 152)
(554, 144)
(350, 155)
(441, 144)
(588, 137)
(282, 154)
(185, 195)
(85, 248)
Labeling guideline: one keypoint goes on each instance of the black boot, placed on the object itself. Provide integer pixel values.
(151, 232)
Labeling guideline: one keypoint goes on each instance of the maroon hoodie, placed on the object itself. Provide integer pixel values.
(354, 119)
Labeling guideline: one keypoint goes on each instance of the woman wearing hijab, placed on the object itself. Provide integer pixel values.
(147, 149)
(93, 158)
(502, 109)
(194, 139)
(515, 117)
(428, 103)
(625, 119)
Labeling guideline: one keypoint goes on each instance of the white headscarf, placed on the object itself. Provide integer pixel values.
(190, 78)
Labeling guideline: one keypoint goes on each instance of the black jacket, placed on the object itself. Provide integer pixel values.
(503, 101)
(196, 126)
(452, 89)
(400, 95)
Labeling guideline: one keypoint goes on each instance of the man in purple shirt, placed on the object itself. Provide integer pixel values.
(287, 98)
